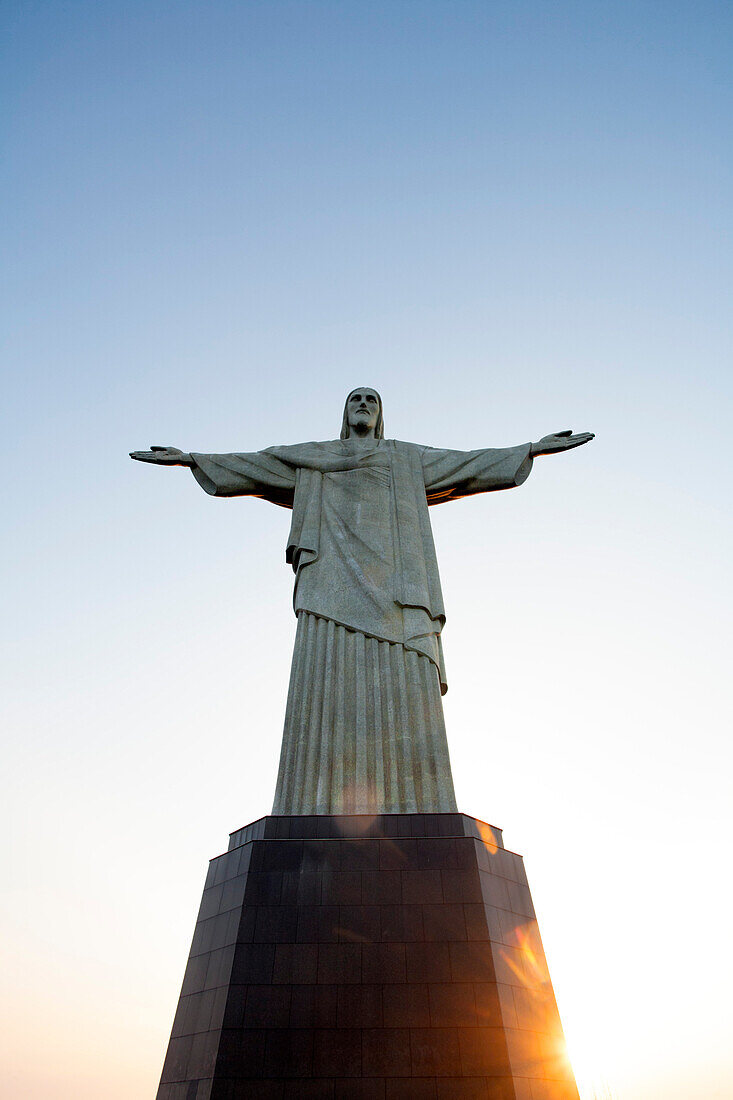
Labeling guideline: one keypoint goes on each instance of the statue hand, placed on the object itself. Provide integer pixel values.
(163, 456)
(560, 441)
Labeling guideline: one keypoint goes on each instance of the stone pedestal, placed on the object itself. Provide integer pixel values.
(367, 958)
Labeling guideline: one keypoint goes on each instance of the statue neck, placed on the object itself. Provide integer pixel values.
(361, 442)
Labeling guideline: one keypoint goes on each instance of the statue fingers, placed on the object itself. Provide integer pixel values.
(149, 456)
(166, 450)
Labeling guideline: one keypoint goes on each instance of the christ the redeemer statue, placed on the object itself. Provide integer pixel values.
(364, 729)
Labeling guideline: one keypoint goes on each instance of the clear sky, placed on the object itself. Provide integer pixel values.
(509, 217)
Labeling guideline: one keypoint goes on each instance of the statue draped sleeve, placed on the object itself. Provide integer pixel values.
(259, 474)
(450, 475)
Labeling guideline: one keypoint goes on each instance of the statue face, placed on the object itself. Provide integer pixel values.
(362, 410)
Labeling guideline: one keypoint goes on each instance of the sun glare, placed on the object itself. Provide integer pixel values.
(588, 1059)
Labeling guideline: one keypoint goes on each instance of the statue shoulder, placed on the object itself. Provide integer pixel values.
(403, 445)
(412, 450)
(295, 453)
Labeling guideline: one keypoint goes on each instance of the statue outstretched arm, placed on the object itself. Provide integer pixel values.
(450, 475)
(258, 474)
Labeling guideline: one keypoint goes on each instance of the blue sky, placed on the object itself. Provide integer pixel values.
(510, 219)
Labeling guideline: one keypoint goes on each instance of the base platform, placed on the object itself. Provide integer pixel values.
(367, 958)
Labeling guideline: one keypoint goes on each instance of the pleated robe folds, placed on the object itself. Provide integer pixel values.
(364, 729)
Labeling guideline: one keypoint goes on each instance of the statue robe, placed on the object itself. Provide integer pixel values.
(362, 550)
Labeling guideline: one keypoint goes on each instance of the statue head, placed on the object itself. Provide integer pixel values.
(363, 414)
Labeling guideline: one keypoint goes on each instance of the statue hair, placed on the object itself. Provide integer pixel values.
(379, 428)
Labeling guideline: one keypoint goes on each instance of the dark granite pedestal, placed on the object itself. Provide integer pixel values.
(363, 958)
